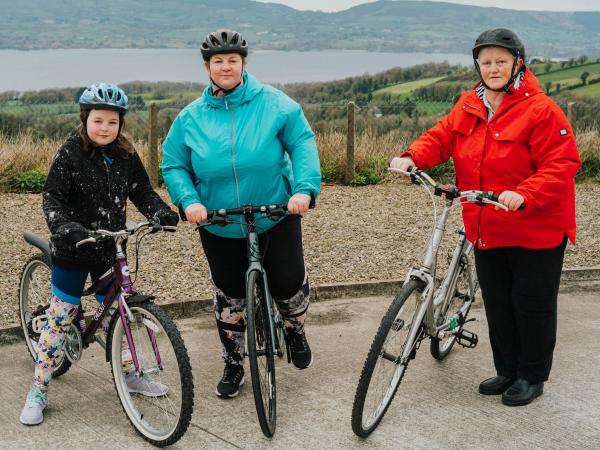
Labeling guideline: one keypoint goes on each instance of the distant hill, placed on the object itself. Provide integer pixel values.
(393, 26)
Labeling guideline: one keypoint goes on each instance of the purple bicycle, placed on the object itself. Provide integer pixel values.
(143, 344)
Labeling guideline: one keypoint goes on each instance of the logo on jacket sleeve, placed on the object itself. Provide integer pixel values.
(563, 132)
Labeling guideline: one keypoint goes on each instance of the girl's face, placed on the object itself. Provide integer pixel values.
(496, 64)
(226, 69)
(103, 126)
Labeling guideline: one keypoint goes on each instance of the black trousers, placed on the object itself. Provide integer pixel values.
(520, 290)
(283, 259)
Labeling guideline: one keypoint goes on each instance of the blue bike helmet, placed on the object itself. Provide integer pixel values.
(104, 96)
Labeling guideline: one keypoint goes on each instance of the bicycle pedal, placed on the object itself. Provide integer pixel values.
(467, 339)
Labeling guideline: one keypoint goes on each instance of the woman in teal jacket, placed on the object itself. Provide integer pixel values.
(243, 142)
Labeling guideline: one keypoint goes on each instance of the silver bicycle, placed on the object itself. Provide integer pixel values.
(425, 307)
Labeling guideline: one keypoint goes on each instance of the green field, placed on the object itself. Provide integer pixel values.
(592, 90)
(570, 73)
(404, 88)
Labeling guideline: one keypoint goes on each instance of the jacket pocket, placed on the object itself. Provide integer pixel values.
(464, 124)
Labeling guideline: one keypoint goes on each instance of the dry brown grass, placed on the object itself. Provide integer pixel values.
(372, 152)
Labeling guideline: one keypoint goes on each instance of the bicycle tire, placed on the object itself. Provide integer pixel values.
(37, 269)
(441, 348)
(178, 402)
(261, 356)
(391, 319)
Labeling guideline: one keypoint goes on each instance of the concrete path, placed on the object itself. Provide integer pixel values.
(437, 405)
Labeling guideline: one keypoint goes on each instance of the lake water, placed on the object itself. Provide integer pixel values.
(39, 69)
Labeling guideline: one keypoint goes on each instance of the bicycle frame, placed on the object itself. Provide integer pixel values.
(119, 280)
(430, 302)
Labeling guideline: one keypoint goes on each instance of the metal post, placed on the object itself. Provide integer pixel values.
(571, 114)
(348, 175)
(152, 158)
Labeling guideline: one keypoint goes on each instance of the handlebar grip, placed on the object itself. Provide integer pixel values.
(494, 197)
(181, 213)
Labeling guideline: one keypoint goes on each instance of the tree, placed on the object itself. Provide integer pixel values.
(548, 85)
(548, 67)
(582, 59)
(571, 62)
(563, 64)
(584, 76)
(557, 87)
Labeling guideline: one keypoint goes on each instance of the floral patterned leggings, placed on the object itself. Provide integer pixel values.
(67, 287)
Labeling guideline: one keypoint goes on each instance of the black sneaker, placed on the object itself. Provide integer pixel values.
(299, 349)
(233, 378)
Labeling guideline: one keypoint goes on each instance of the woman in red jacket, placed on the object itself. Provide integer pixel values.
(508, 137)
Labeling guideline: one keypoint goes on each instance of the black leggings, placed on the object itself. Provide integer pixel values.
(283, 259)
(520, 290)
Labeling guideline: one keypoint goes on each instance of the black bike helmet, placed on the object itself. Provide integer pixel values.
(223, 41)
(499, 37)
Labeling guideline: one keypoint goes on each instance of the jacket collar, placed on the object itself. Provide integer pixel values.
(528, 87)
(242, 94)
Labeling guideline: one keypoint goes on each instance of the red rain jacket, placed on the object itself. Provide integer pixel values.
(527, 147)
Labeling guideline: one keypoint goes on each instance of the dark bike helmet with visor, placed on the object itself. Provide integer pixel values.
(104, 96)
(499, 37)
(223, 41)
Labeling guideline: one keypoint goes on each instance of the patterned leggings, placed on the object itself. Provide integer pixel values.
(283, 260)
(67, 287)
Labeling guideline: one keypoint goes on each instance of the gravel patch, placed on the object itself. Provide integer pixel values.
(355, 234)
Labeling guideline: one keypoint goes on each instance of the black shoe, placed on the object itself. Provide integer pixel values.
(299, 350)
(495, 385)
(233, 378)
(522, 393)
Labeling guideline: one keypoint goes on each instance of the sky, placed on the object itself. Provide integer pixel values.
(532, 5)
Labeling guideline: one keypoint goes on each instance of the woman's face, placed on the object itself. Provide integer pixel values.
(496, 64)
(102, 126)
(226, 69)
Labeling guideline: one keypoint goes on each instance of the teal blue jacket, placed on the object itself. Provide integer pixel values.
(253, 146)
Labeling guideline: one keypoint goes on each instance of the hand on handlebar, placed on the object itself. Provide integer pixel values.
(511, 200)
(196, 213)
(298, 204)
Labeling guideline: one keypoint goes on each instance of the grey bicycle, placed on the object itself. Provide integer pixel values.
(425, 307)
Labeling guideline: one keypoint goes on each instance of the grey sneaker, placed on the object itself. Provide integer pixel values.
(145, 386)
(33, 411)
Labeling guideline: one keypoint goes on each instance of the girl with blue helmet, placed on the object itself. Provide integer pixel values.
(92, 176)
(243, 142)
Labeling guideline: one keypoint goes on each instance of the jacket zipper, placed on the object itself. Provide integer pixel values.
(237, 185)
(108, 186)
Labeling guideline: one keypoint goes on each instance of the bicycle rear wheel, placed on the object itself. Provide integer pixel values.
(462, 298)
(383, 371)
(260, 355)
(34, 297)
(159, 403)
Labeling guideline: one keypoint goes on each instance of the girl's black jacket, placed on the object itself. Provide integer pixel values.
(84, 190)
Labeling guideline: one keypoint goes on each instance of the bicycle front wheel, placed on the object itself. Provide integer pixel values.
(35, 291)
(260, 355)
(159, 400)
(383, 371)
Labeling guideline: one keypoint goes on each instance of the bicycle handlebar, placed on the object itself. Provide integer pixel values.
(132, 228)
(451, 192)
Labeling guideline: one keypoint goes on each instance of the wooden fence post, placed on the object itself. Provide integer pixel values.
(348, 175)
(571, 114)
(152, 158)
